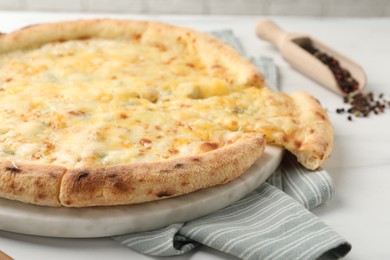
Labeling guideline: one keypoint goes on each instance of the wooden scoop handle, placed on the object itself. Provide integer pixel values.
(270, 31)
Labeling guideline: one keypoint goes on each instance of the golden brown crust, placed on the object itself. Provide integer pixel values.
(142, 182)
(31, 183)
(50, 185)
(214, 53)
(313, 142)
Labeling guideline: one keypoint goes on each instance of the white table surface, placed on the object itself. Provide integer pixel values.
(360, 163)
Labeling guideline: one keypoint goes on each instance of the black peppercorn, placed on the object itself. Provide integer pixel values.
(343, 77)
(362, 104)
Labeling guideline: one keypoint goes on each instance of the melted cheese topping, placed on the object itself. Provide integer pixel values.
(103, 102)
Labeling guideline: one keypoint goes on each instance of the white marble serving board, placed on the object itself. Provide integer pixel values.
(107, 221)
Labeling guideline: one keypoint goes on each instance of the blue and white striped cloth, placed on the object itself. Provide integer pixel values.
(272, 222)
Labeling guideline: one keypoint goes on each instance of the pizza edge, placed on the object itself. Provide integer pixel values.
(51, 185)
(143, 182)
(313, 144)
(31, 183)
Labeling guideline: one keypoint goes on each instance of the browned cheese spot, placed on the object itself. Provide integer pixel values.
(137, 37)
(76, 113)
(36, 156)
(160, 46)
(145, 142)
(48, 147)
(207, 146)
(123, 115)
(297, 143)
(170, 60)
(173, 150)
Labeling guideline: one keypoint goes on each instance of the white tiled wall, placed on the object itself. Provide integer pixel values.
(45, 5)
(175, 6)
(112, 6)
(237, 6)
(241, 7)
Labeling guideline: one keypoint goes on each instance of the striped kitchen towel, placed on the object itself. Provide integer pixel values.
(272, 222)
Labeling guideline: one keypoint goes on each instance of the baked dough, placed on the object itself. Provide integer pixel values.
(111, 112)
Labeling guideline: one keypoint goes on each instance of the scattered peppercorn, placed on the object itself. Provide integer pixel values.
(363, 104)
(346, 82)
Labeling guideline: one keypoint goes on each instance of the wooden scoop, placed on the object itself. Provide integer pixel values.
(292, 46)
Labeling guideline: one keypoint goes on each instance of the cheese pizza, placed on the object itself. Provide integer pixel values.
(111, 112)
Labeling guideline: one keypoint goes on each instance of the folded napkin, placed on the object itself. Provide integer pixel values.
(272, 222)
